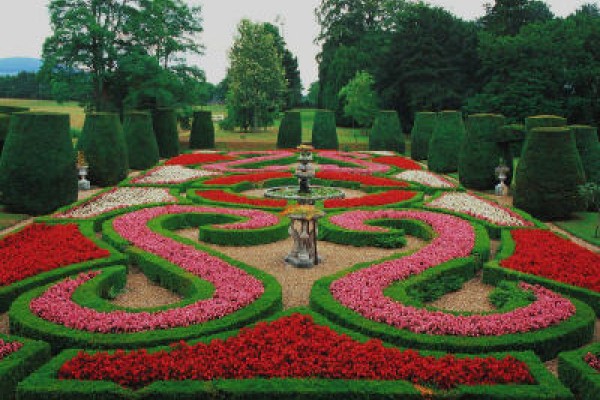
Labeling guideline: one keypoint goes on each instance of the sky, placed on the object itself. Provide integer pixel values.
(25, 24)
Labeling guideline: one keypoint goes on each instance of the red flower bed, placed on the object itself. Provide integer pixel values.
(363, 179)
(543, 253)
(593, 361)
(39, 248)
(291, 347)
(221, 195)
(377, 199)
(233, 179)
(400, 162)
(198, 158)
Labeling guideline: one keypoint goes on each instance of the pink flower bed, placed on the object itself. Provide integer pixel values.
(366, 167)
(234, 288)
(7, 348)
(362, 291)
(233, 166)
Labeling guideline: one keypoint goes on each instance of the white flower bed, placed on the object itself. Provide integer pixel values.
(477, 207)
(380, 152)
(168, 174)
(119, 198)
(425, 178)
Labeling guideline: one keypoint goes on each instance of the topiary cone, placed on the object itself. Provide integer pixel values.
(4, 121)
(164, 122)
(202, 135)
(445, 142)
(386, 133)
(103, 144)
(421, 134)
(480, 154)
(290, 131)
(548, 174)
(142, 149)
(324, 134)
(37, 167)
(588, 146)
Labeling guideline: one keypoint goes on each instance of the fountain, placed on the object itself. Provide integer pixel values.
(304, 216)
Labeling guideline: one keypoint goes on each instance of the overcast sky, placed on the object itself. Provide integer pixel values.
(24, 24)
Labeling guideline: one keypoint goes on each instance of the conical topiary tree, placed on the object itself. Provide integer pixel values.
(4, 120)
(12, 109)
(544, 121)
(324, 134)
(588, 146)
(202, 135)
(103, 144)
(37, 167)
(548, 174)
(480, 154)
(164, 122)
(386, 133)
(445, 142)
(290, 131)
(142, 149)
(421, 133)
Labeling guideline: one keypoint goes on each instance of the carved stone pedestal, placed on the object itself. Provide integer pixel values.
(304, 231)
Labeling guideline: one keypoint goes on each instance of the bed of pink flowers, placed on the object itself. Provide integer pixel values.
(363, 166)
(7, 348)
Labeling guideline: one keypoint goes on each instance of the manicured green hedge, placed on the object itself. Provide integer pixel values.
(12, 109)
(416, 201)
(421, 133)
(194, 197)
(577, 374)
(4, 122)
(289, 135)
(386, 133)
(445, 142)
(544, 121)
(548, 174)
(324, 133)
(588, 146)
(142, 149)
(480, 154)
(164, 121)
(202, 135)
(514, 136)
(37, 166)
(44, 384)
(18, 365)
(103, 143)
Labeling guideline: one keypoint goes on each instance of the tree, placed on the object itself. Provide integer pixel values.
(360, 100)
(313, 94)
(507, 17)
(256, 77)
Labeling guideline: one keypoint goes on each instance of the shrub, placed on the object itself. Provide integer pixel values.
(12, 109)
(544, 121)
(37, 167)
(579, 376)
(548, 174)
(421, 133)
(511, 138)
(202, 135)
(290, 131)
(445, 142)
(586, 139)
(103, 144)
(387, 133)
(480, 154)
(324, 134)
(142, 148)
(4, 121)
(164, 121)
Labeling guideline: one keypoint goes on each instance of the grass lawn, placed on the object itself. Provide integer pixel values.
(582, 226)
(72, 108)
(8, 220)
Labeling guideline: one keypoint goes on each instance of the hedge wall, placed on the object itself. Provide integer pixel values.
(37, 166)
(289, 135)
(588, 146)
(164, 122)
(386, 133)
(4, 121)
(577, 374)
(12, 109)
(445, 142)
(548, 174)
(421, 134)
(202, 135)
(142, 149)
(324, 133)
(514, 135)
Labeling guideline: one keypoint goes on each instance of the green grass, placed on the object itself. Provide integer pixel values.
(583, 226)
(72, 108)
(7, 220)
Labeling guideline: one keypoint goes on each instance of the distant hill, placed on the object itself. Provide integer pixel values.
(14, 65)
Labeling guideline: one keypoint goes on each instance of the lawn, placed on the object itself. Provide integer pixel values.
(583, 226)
(7, 219)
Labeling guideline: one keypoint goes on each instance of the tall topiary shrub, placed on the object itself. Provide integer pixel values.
(202, 135)
(290, 131)
(548, 174)
(544, 121)
(142, 149)
(480, 154)
(420, 134)
(37, 166)
(103, 143)
(387, 133)
(324, 134)
(4, 120)
(445, 142)
(12, 109)
(164, 121)
(588, 146)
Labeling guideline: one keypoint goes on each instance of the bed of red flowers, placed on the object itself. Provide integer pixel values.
(400, 162)
(198, 158)
(371, 200)
(363, 179)
(291, 347)
(558, 259)
(227, 197)
(259, 177)
(39, 248)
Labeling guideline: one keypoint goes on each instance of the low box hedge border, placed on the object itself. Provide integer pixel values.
(18, 365)
(416, 201)
(193, 196)
(10, 292)
(43, 384)
(577, 374)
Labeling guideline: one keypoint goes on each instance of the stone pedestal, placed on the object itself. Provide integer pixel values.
(304, 231)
